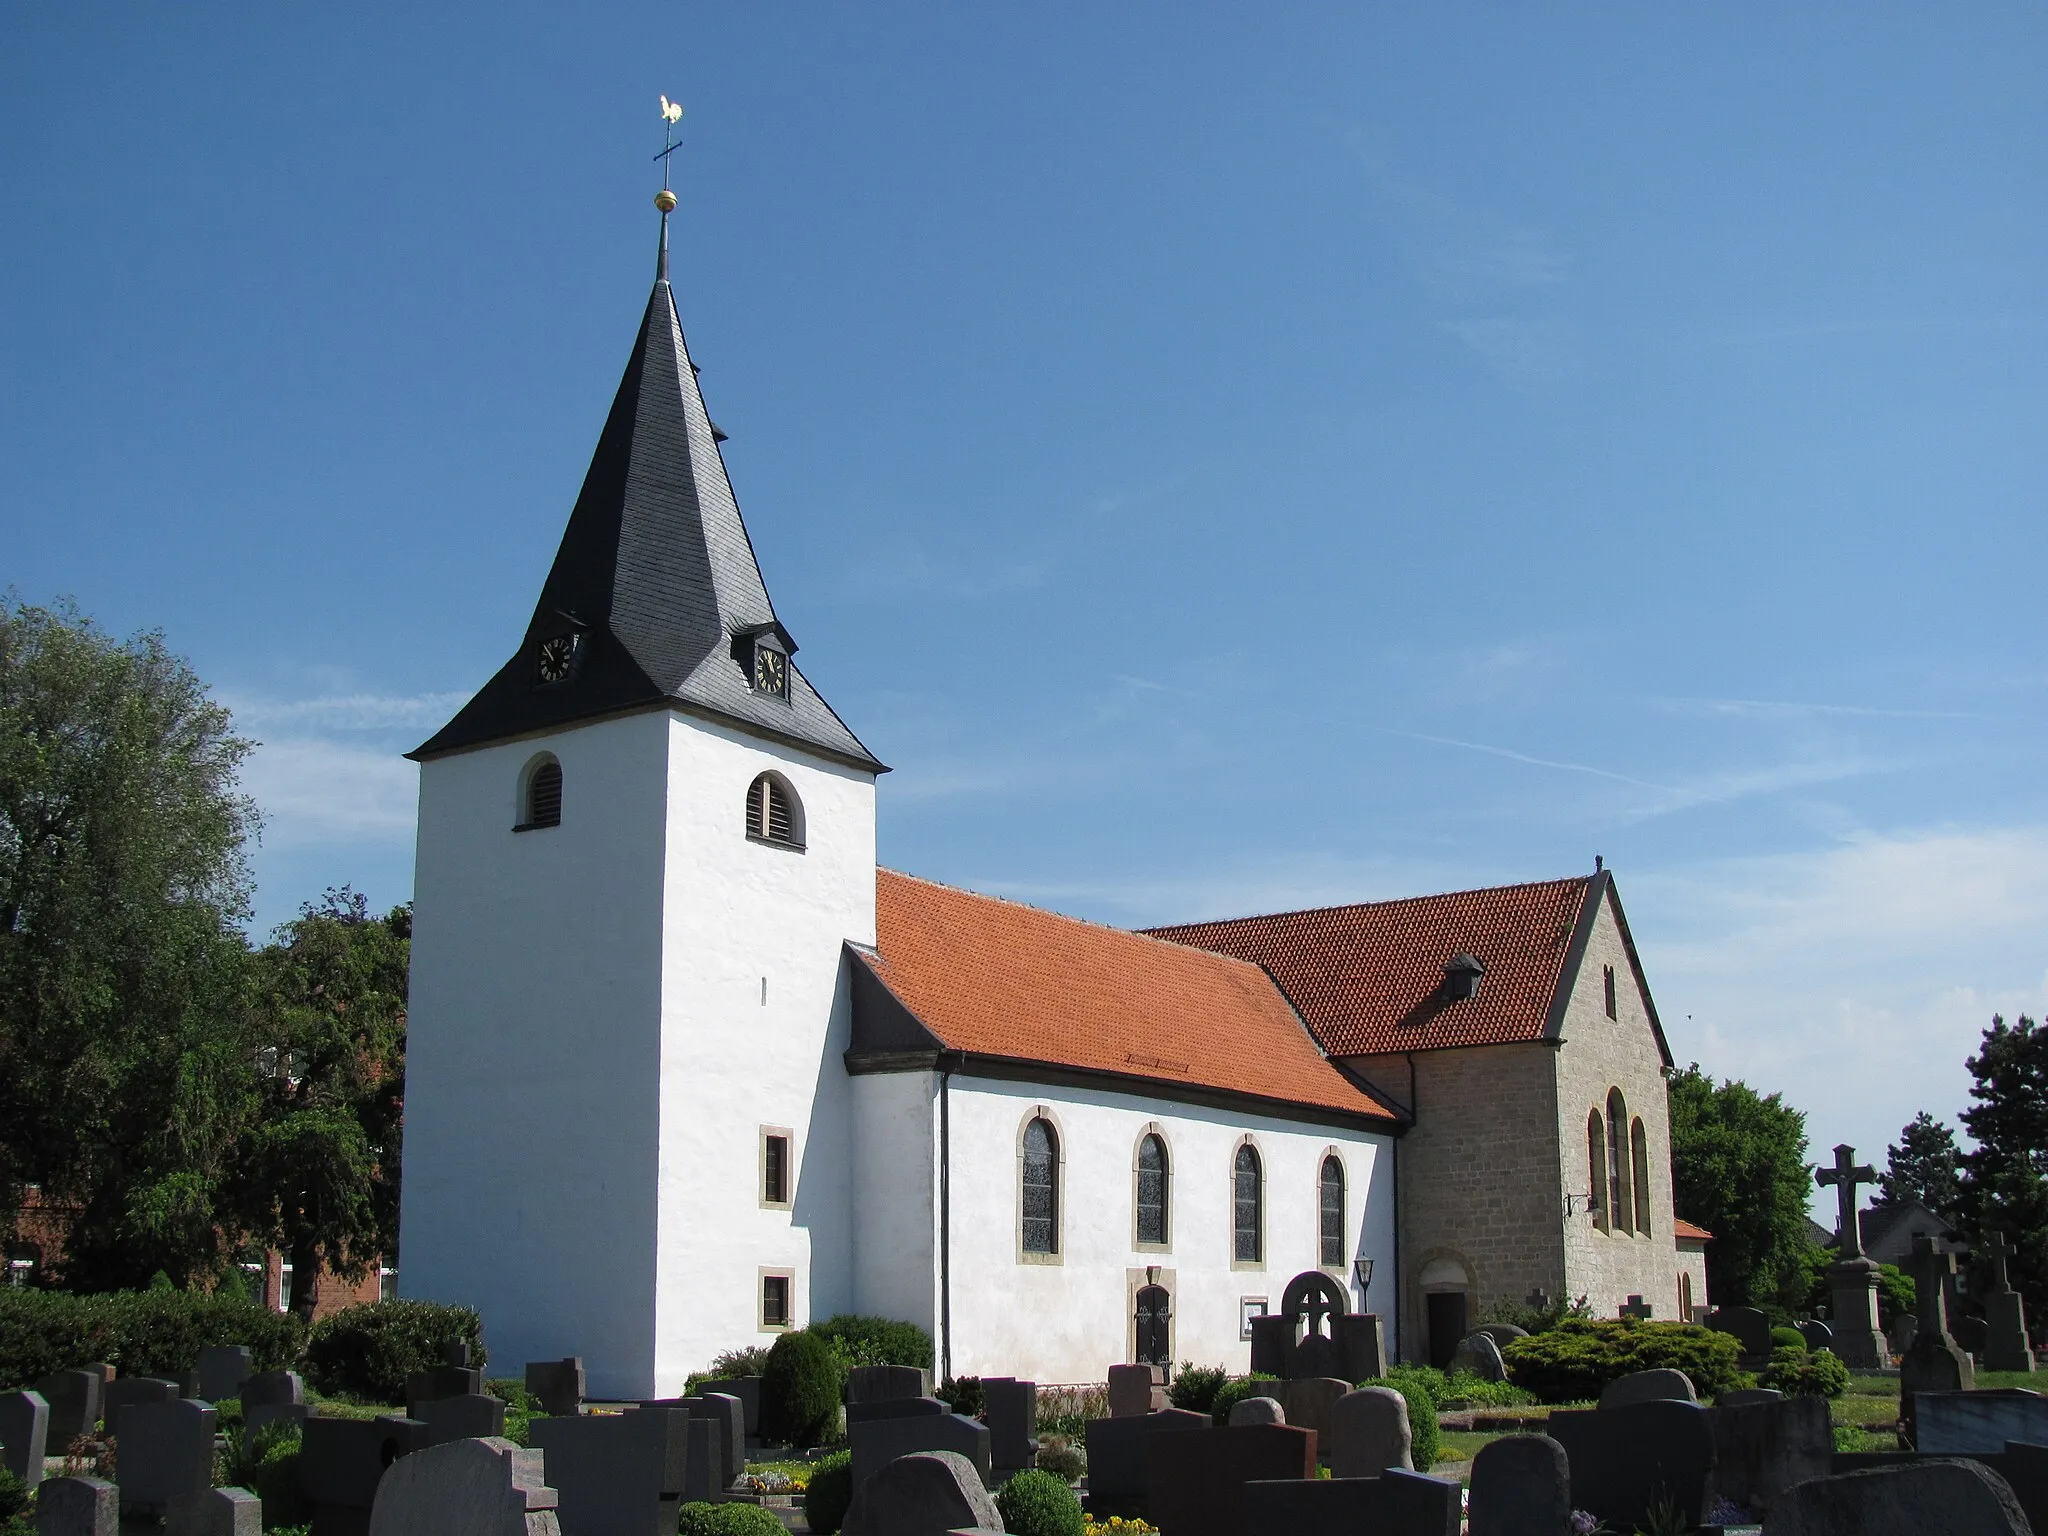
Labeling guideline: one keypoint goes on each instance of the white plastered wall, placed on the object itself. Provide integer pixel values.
(1069, 1321)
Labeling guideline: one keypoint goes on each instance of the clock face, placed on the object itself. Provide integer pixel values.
(557, 653)
(771, 672)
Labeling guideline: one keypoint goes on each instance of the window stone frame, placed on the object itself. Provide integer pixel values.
(762, 1276)
(1341, 1270)
(1058, 1255)
(1151, 1128)
(788, 1168)
(1257, 1265)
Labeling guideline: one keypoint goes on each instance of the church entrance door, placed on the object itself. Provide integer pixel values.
(1155, 1313)
(1446, 1319)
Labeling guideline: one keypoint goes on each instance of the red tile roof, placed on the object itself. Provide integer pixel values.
(999, 979)
(1683, 1229)
(1369, 978)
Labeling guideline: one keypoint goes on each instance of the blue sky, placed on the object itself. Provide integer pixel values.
(1224, 458)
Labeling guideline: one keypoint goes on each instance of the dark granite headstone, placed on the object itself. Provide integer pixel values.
(1749, 1325)
(341, 1461)
(702, 1482)
(1521, 1486)
(922, 1494)
(895, 1408)
(1658, 1385)
(1010, 1409)
(128, 1390)
(618, 1474)
(1195, 1482)
(877, 1442)
(1395, 1503)
(215, 1512)
(1627, 1460)
(1116, 1456)
(748, 1390)
(74, 1399)
(273, 1387)
(222, 1369)
(1978, 1423)
(879, 1383)
(165, 1449)
(1952, 1498)
(441, 1381)
(729, 1415)
(1970, 1332)
(1817, 1334)
(557, 1385)
(1763, 1449)
(24, 1434)
(477, 1416)
(78, 1506)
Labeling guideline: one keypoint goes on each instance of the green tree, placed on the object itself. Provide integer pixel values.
(1738, 1168)
(123, 1071)
(2004, 1183)
(318, 1168)
(1923, 1166)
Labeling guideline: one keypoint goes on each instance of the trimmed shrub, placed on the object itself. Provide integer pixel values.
(802, 1385)
(728, 1520)
(1062, 1458)
(963, 1395)
(145, 1333)
(1803, 1373)
(829, 1493)
(1235, 1391)
(367, 1351)
(1039, 1504)
(1425, 1434)
(1194, 1387)
(862, 1340)
(1787, 1338)
(1574, 1360)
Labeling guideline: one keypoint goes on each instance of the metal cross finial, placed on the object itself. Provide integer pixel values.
(1998, 1248)
(1845, 1176)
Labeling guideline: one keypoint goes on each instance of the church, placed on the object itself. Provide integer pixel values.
(687, 1069)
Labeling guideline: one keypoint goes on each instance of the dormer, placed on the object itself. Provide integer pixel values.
(762, 652)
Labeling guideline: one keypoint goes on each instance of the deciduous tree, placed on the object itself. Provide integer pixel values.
(1738, 1168)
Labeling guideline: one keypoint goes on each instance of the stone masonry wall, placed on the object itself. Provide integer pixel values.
(1478, 1176)
(1597, 1054)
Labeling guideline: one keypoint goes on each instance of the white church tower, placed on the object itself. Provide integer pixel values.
(642, 846)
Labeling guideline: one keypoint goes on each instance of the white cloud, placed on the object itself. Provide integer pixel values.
(349, 712)
(315, 792)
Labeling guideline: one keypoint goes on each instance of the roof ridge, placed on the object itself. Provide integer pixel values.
(1139, 934)
(1360, 906)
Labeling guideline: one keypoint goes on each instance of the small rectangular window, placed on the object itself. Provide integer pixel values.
(775, 1167)
(775, 1301)
(1607, 975)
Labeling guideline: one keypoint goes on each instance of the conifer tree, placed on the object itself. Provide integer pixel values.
(1923, 1166)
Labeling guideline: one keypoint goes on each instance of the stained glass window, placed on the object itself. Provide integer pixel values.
(1152, 1190)
(1247, 1248)
(1330, 1211)
(1041, 1187)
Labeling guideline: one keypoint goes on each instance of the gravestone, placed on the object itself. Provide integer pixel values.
(1309, 1402)
(1762, 1449)
(1954, 1498)
(1749, 1397)
(1195, 1482)
(1638, 1308)
(748, 1390)
(1521, 1486)
(703, 1460)
(341, 1462)
(880, 1383)
(1369, 1432)
(74, 1399)
(1116, 1456)
(1396, 1503)
(24, 1434)
(1010, 1409)
(1502, 1334)
(878, 1442)
(1135, 1389)
(616, 1474)
(1852, 1279)
(1478, 1355)
(221, 1371)
(1817, 1334)
(215, 1512)
(78, 1506)
(1313, 1334)
(2005, 1342)
(894, 1408)
(729, 1416)
(466, 1488)
(2025, 1470)
(165, 1449)
(261, 1416)
(927, 1493)
(1626, 1460)
(1751, 1328)
(273, 1387)
(1659, 1385)
(1978, 1423)
(557, 1385)
(1935, 1363)
(1971, 1333)
(127, 1390)
(1257, 1410)
(477, 1417)
(1905, 1328)
(441, 1381)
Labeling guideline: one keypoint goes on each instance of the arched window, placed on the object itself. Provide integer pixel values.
(1153, 1197)
(1620, 1208)
(1639, 1148)
(1596, 1168)
(1041, 1186)
(1330, 1212)
(1685, 1298)
(540, 801)
(1247, 1207)
(774, 814)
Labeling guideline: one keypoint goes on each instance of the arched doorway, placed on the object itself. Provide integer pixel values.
(1154, 1325)
(1446, 1308)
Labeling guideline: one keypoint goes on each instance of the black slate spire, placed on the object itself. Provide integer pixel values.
(655, 589)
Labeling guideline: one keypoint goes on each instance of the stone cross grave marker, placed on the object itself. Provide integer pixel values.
(1845, 1176)
(1935, 1363)
(1538, 1298)
(1635, 1306)
(2005, 1340)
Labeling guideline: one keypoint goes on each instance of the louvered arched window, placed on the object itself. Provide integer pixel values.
(1330, 1212)
(1247, 1207)
(540, 797)
(774, 814)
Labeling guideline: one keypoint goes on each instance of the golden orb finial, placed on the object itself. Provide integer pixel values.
(665, 200)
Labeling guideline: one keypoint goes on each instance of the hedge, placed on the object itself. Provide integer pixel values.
(367, 1351)
(829, 1493)
(728, 1520)
(1803, 1373)
(801, 1388)
(862, 1340)
(144, 1333)
(1574, 1360)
